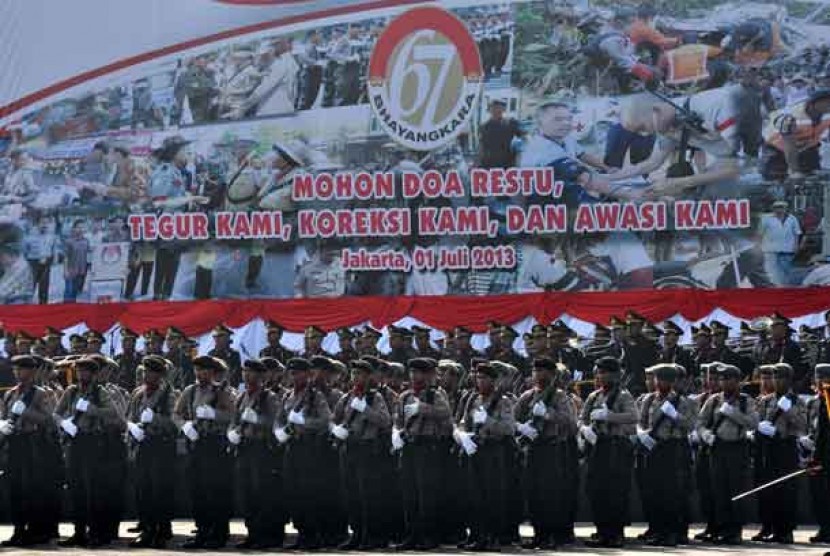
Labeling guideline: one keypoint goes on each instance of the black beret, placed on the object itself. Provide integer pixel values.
(423, 364)
(487, 369)
(608, 364)
(210, 363)
(25, 362)
(254, 365)
(396, 369)
(154, 363)
(728, 371)
(665, 371)
(273, 364)
(544, 364)
(297, 364)
(376, 363)
(87, 364)
(322, 363)
(822, 370)
(783, 370)
(362, 366)
(766, 370)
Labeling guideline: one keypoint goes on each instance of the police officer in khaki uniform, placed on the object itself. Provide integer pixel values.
(723, 423)
(251, 436)
(485, 428)
(545, 421)
(205, 409)
(27, 428)
(303, 427)
(606, 422)
(783, 420)
(84, 413)
(152, 434)
(361, 418)
(423, 423)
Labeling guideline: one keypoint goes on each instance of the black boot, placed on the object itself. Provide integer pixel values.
(17, 538)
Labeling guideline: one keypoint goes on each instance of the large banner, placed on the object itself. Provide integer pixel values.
(326, 149)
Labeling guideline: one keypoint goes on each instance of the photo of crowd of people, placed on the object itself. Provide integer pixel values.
(627, 103)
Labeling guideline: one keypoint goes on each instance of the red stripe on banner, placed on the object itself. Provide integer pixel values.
(70, 82)
(441, 312)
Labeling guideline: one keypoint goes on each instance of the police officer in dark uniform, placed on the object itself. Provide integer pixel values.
(314, 336)
(250, 435)
(638, 353)
(361, 422)
(400, 344)
(673, 352)
(28, 430)
(178, 354)
(94, 342)
(347, 353)
(152, 436)
(463, 351)
(819, 482)
(783, 349)
(223, 350)
(153, 342)
(52, 343)
(423, 347)
(558, 347)
(275, 349)
(367, 344)
(205, 409)
(724, 354)
(84, 412)
(128, 361)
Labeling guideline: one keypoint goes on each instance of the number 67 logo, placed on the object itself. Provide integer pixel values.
(424, 78)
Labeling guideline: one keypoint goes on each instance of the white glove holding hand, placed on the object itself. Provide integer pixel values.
(280, 434)
(340, 432)
(206, 412)
(135, 431)
(250, 416)
(82, 405)
(669, 410)
(527, 430)
(600, 414)
(147, 415)
(6, 428)
(727, 409)
(577, 376)
(766, 428)
(18, 407)
(397, 440)
(410, 410)
(467, 444)
(234, 437)
(784, 404)
(646, 440)
(588, 434)
(807, 443)
(708, 437)
(358, 404)
(69, 427)
(480, 416)
(190, 431)
(296, 417)
(540, 409)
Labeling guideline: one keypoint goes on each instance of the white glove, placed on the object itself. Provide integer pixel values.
(190, 431)
(784, 404)
(82, 405)
(6, 428)
(18, 407)
(250, 416)
(727, 409)
(577, 376)
(358, 404)
(480, 416)
(234, 437)
(668, 410)
(750, 435)
(708, 437)
(340, 432)
(588, 434)
(69, 427)
(241, 388)
(599, 414)
(539, 409)
(135, 431)
(527, 430)
(646, 440)
(807, 443)
(296, 417)
(397, 440)
(766, 428)
(411, 410)
(467, 444)
(147, 415)
(205, 412)
(280, 434)
(694, 437)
